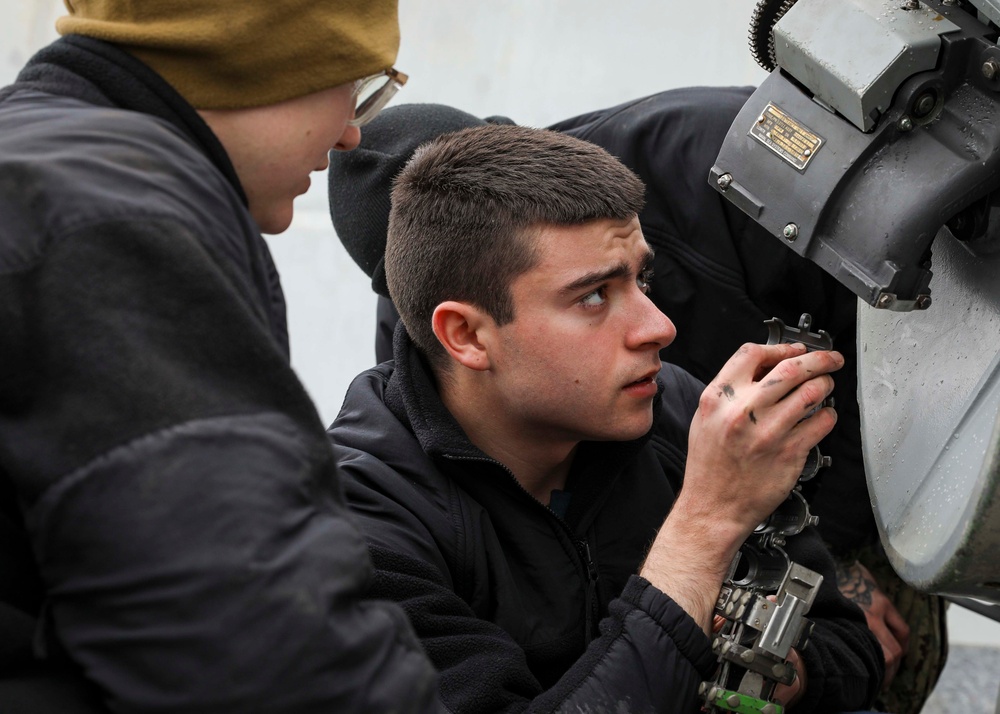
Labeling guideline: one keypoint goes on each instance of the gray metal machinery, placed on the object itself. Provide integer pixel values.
(873, 149)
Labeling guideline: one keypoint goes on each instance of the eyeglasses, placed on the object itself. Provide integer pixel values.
(374, 92)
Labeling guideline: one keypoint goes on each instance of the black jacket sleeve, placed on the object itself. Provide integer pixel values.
(650, 656)
(181, 498)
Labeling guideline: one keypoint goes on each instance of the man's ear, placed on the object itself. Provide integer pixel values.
(460, 328)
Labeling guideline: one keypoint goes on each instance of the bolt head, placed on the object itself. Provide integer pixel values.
(725, 181)
(991, 68)
(904, 124)
(923, 302)
(924, 104)
(791, 232)
(884, 300)
(734, 700)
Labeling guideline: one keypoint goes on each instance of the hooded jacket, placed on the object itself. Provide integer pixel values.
(522, 608)
(173, 528)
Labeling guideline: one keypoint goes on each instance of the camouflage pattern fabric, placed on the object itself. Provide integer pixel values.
(928, 647)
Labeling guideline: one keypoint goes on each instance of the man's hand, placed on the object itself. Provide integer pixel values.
(749, 440)
(884, 620)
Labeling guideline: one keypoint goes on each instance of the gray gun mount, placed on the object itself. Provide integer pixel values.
(876, 131)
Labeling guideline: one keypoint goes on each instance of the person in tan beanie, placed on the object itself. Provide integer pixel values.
(174, 537)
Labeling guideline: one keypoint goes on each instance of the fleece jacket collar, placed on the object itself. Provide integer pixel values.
(412, 397)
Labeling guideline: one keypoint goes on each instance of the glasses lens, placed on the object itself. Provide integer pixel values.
(373, 93)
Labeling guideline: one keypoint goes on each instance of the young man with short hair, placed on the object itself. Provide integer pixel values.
(512, 466)
(173, 533)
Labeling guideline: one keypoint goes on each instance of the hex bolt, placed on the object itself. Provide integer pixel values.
(923, 302)
(991, 68)
(791, 232)
(904, 123)
(910, 5)
(884, 300)
(924, 104)
(725, 181)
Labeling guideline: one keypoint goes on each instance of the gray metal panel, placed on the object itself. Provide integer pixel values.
(854, 54)
(990, 8)
(929, 388)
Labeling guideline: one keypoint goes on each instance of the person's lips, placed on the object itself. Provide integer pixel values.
(644, 386)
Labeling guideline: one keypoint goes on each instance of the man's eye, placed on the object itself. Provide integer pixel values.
(594, 299)
(644, 280)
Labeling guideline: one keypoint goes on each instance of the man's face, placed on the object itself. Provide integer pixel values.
(579, 359)
(274, 148)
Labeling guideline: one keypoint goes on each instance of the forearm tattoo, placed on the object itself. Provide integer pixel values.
(854, 585)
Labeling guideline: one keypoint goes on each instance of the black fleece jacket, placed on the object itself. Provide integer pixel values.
(172, 522)
(506, 595)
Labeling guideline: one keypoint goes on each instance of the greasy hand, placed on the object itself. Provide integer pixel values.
(747, 446)
(857, 585)
(750, 436)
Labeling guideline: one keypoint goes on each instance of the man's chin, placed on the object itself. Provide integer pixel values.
(275, 221)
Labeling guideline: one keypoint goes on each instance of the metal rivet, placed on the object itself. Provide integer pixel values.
(760, 119)
(734, 700)
(725, 181)
(991, 68)
(747, 656)
(807, 152)
(791, 232)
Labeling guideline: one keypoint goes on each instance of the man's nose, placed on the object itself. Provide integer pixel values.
(349, 139)
(652, 327)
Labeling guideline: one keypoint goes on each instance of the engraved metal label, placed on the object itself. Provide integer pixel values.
(786, 137)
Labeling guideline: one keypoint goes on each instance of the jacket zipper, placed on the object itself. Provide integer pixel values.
(583, 547)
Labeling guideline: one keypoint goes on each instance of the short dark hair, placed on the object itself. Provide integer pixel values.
(465, 209)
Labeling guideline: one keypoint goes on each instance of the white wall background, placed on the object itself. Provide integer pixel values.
(534, 61)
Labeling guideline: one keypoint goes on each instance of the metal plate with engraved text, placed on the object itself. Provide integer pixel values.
(786, 137)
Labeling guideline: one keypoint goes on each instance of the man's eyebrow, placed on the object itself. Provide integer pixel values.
(615, 272)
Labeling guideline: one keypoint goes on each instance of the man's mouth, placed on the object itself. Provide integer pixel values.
(647, 379)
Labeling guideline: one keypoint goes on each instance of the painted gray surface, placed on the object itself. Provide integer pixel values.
(854, 54)
(929, 384)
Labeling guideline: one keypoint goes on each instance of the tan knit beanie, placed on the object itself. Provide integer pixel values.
(233, 54)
